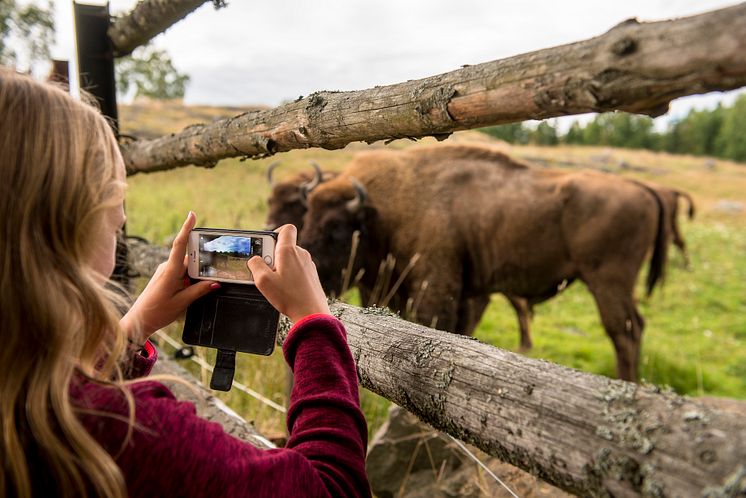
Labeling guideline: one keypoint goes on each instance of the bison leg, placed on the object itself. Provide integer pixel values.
(523, 310)
(470, 311)
(438, 305)
(679, 242)
(623, 324)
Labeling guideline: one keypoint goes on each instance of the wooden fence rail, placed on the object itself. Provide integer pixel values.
(584, 433)
(635, 67)
(147, 20)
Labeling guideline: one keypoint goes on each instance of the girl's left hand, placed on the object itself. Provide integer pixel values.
(165, 297)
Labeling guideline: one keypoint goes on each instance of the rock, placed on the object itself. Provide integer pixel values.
(727, 206)
(409, 459)
(404, 448)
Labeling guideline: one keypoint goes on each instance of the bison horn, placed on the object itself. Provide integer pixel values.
(270, 169)
(361, 195)
(307, 187)
(317, 178)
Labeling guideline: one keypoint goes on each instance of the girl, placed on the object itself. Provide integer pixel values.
(76, 416)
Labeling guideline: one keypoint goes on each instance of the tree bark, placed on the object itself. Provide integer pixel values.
(583, 433)
(634, 67)
(148, 19)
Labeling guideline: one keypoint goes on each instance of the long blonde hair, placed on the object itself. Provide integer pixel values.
(57, 320)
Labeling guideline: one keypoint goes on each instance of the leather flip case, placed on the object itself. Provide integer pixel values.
(234, 318)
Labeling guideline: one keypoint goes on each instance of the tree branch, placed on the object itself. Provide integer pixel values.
(148, 19)
(635, 67)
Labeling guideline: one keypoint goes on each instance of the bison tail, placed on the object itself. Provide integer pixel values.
(689, 201)
(660, 249)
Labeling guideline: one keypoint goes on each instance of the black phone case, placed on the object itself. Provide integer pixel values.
(234, 318)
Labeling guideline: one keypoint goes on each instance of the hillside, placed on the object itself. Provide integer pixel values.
(146, 118)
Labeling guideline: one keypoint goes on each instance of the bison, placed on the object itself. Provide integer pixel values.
(478, 222)
(524, 308)
(287, 204)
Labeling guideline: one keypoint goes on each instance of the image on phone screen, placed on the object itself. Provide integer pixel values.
(225, 256)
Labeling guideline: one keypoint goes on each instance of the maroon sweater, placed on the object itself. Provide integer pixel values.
(173, 452)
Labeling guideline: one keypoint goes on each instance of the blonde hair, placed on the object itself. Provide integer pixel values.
(57, 319)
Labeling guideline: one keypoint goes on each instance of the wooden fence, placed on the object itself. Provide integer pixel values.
(581, 432)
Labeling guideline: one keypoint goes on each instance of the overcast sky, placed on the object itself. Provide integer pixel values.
(261, 52)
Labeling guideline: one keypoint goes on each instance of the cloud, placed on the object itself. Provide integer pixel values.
(231, 244)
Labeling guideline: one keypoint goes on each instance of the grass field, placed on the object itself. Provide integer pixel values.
(695, 337)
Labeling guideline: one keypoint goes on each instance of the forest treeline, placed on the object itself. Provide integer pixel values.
(719, 132)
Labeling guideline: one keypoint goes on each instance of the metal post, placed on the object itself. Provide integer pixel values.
(96, 76)
(96, 57)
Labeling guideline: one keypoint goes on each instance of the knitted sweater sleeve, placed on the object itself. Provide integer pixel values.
(141, 361)
(173, 452)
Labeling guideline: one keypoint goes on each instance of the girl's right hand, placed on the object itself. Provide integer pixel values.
(293, 287)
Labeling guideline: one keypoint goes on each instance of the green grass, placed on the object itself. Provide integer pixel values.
(695, 332)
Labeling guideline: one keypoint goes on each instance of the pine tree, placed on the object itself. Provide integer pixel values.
(732, 137)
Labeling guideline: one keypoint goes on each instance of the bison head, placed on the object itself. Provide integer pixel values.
(336, 210)
(287, 203)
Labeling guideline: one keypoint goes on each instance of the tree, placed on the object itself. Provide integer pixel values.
(698, 132)
(26, 33)
(731, 139)
(514, 133)
(592, 133)
(544, 134)
(574, 135)
(149, 72)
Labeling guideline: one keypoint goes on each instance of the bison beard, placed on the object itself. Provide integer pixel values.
(478, 222)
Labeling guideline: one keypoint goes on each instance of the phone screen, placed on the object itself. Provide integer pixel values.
(225, 256)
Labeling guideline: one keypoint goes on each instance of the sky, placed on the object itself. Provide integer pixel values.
(227, 243)
(262, 52)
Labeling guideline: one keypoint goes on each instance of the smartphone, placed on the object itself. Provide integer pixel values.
(218, 254)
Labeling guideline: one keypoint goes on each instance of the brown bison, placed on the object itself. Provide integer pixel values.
(287, 204)
(670, 198)
(477, 222)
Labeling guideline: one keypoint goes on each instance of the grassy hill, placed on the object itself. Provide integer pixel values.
(695, 336)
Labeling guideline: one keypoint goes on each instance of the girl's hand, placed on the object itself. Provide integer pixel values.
(293, 287)
(165, 297)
